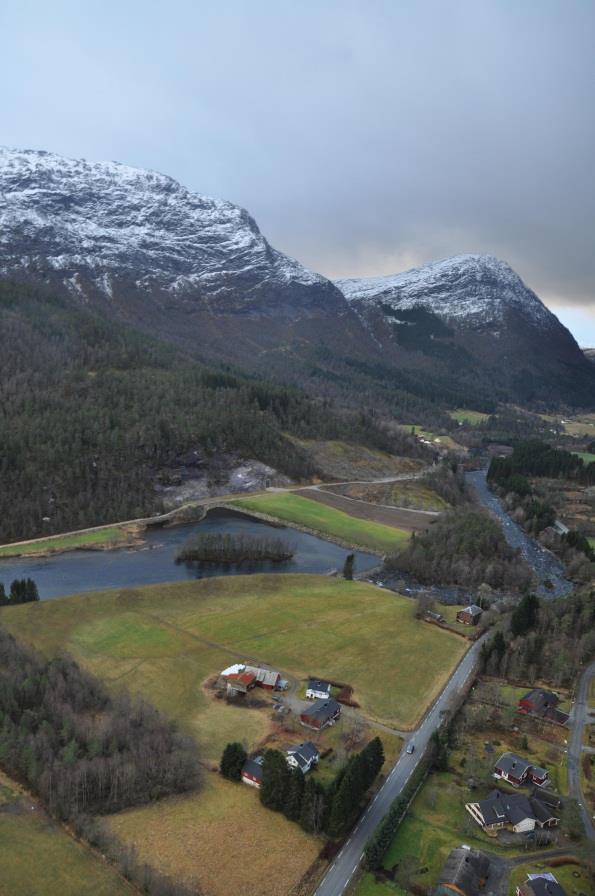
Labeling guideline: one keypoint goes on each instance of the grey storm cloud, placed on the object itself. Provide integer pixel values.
(364, 137)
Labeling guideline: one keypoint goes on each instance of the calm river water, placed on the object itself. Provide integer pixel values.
(154, 561)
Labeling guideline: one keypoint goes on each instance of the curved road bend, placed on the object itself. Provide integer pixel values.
(580, 716)
(348, 860)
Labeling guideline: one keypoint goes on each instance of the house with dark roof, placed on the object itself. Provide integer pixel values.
(318, 689)
(304, 756)
(321, 714)
(470, 615)
(252, 771)
(517, 771)
(544, 884)
(513, 811)
(544, 705)
(464, 873)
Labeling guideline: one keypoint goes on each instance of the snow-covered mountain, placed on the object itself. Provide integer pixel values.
(105, 225)
(196, 271)
(471, 290)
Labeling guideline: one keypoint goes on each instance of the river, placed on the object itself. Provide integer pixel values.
(154, 561)
(546, 566)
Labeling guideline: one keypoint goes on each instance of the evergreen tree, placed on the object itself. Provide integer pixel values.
(524, 617)
(314, 807)
(348, 566)
(275, 780)
(374, 756)
(295, 794)
(232, 761)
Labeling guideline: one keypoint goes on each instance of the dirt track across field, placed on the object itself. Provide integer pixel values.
(401, 518)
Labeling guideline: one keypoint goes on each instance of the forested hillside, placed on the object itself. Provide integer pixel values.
(90, 411)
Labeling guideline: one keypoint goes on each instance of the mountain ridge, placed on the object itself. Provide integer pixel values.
(138, 246)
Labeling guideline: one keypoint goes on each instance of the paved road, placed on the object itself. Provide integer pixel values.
(580, 716)
(348, 860)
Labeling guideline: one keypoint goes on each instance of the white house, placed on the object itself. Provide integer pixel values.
(318, 690)
(304, 756)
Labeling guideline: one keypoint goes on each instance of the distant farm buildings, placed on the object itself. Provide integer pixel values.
(241, 678)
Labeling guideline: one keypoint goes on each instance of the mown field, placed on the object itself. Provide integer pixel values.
(325, 520)
(165, 641)
(38, 858)
(342, 460)
(472, 418)
(111, 535)
(586, 456)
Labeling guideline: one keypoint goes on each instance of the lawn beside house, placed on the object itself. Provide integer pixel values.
(325, 520)
(573, 878)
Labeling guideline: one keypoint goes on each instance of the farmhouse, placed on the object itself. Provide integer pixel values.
(304, 756)
(543, 704)
(263, 677)
(517, 771)
(320, 714)
(470, 615)
(252, 771)
(544, 884)
(464, 873)
(515, 812)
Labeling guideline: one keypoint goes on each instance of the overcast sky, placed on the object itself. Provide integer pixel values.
(364, 137)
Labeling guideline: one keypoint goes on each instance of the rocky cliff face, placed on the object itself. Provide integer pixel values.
(97, 227)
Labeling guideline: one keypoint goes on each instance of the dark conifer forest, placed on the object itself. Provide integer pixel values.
(90, 411)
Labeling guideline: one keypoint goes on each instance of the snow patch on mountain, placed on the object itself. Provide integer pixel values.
(105, 220)
(468, 289)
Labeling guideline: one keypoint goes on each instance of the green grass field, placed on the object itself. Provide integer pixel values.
(162, 641)
(326, 520)
(586, 456)
(473, 418)
(40, 859)
(113, 534)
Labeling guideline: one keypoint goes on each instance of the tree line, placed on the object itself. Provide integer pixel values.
(22, 591)
(464, 547)
(318, 808)
(226, 548)
(81, 750)
(544, 640)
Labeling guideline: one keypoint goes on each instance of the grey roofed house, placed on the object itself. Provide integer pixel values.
(510, 763)
(541, 885)
(514, 809)
(321, 713)
(465, 871)
(303, 756)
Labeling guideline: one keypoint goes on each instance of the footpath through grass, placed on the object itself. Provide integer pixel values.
(326, 521)
(111, 535)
